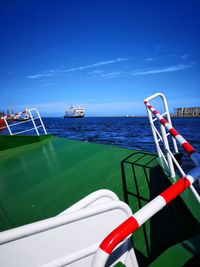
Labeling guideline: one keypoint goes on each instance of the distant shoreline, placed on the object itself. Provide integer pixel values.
(125, 117)
(185, 116)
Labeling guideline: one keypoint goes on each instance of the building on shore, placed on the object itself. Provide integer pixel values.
(187, 112)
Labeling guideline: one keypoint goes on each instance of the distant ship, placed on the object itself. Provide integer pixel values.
(75, 112)
(130, 116)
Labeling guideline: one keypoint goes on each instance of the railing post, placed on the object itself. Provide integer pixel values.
(154, 134)
(8, 127)
(41, 121)
(33, 122)
(176, 137)
(166, 145)
(169, 120)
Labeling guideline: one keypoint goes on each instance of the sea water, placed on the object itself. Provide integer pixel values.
(131, 133)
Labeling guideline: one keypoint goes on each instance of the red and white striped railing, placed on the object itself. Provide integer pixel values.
(140, 217)
(128, 227)
(179, 138)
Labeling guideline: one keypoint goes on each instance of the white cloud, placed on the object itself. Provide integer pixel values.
(149, 59)
(39, 75)
(185, 56)
(95, 72)
(163, 70)
(174, 68)
(111, 75)
(63, 70)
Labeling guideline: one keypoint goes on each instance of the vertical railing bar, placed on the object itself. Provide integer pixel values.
(154, 132)
(29, 111)
(30, 116)
(163, 156)
(194, 191)
(169, 120)
(166, 146)
(157, 132)
(8, 127)
(39, 117)
(177, 164)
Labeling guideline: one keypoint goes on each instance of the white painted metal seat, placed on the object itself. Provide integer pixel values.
(71, 238)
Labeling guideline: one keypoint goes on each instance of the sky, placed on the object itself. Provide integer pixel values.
(106, 56)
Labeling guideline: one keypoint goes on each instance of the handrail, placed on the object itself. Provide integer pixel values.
(154, 206)
(185, 145)
(29, 117)
(163, 136)
(141, 216)
(167, 113)
(176, 136)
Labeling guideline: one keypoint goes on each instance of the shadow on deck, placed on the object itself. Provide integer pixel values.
(143, 179)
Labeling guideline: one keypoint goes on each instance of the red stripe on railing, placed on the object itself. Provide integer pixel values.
(188, 148)
(155, 112)
(131, 224)
(173, 132)
(176, 189)
(163, 121)
(116, 236)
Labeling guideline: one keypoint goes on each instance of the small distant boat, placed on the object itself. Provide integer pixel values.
(21, 116)
(75, 112)
(130, 116)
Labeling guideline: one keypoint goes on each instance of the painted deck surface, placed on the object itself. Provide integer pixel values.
(40, 179)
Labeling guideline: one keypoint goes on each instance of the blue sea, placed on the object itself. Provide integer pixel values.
(131, 133)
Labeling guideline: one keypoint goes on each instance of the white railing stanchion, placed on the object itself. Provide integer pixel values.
(154, 133)
(7, 125)
(22, 118)
(33, 123)
(176, 136)
(166, 145)
(40, 120)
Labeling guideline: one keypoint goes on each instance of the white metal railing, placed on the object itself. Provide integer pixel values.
(166, 124)
(129, 226)
(163, 136)
(71, 238)
(24, 117)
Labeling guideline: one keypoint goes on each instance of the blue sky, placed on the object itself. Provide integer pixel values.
(104, 55)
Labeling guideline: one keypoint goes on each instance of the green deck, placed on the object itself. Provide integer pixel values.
(48, 174)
